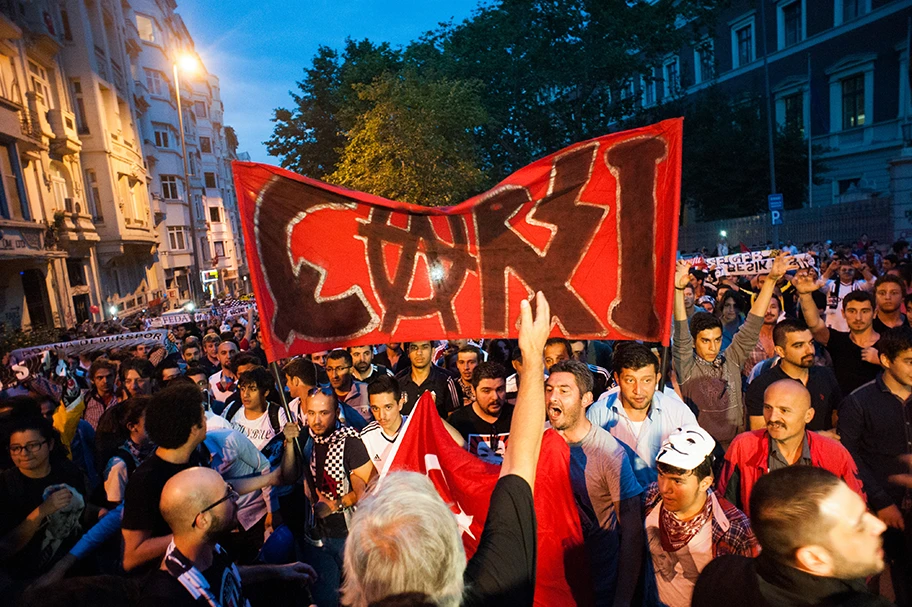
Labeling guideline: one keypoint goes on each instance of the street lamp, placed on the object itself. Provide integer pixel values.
(189, 64)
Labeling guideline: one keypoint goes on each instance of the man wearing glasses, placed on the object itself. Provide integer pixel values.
(199, 507)
(352, 393)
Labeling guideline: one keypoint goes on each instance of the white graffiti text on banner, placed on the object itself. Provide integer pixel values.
(121, 340)
(754, 262)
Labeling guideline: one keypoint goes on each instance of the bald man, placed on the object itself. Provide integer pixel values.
(785, 441)
(200, 506)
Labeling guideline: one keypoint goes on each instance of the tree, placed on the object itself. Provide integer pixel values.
(725, 169)
(547, 67)
(308, 137)
(416, 142)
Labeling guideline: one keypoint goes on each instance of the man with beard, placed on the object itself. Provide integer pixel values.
(363, 367)
(467, 358)
(855, 358)
(888, 295)
(200, 507)
(784, 442)
(795, 349)
(606, 491)
(337, 471)
(818, 543)
(635, 412)
(485, 424)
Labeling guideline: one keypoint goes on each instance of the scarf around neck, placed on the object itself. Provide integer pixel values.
(675, 533)
(334, 466)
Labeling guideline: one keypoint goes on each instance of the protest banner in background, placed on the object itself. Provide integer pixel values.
(80, 346)
(466, 483)
(754, 262)
(593, 226)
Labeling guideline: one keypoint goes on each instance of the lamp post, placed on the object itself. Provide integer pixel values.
(188, 63)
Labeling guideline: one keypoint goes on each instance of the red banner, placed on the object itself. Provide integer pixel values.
(466, 483)
(593, 226)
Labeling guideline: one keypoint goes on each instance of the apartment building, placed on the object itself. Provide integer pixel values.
(95, 215)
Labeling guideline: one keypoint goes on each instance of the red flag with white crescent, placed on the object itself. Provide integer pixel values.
(466, 483)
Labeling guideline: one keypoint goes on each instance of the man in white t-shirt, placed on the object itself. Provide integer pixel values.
(257, 418)
(382, 434)
(687, 525)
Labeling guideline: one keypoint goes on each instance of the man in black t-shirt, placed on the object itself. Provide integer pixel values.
(855, 359)
(485, 424)
(199, 507)
(176, 422)
(404, 530)
(425, 376)
(795, 348)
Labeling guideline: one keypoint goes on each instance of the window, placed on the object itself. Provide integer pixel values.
(794, 111)
(146, 28)
(743, 42)
(626, 91)
(648, 84)
(704, 62)
(93, 196)
(81, 125)
(13, 203)
(169, 187)
(848, 184)
(848, 10)
(154, 81)
(176, 238)
(791, 23)
(162, 139)
(205, 145)
(198, 203)
(67, 32)
(211, 181)
(199, 109)
(219, 248)
(215, 214)
(204, 248)
(853, 101)
(76, 272)
(672, 78)
(59, 188)
(40, 84)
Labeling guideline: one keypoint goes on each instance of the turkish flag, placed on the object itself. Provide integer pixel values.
(466, 483)
(593, 226)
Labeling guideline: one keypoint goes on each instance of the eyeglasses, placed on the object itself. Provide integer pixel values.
(337, 369)
(231, 494)
(27, 447)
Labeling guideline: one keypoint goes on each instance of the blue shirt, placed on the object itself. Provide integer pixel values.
(666, 414)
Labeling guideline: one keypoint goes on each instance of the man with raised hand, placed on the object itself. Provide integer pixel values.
(404, 520)
(709, 379)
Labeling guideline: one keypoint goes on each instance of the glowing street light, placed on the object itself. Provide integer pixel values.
(190, 306)
(113, 310)
(723, 233)
(189, 64)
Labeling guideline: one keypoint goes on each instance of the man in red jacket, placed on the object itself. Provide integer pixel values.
(784, 442)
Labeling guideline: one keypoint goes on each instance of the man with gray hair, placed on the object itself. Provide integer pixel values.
(405, 547)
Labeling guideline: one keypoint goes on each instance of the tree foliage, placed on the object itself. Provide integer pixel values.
(415, 143)
(537, 75)
(726, 155)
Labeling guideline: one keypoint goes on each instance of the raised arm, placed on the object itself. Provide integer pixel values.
(762, 301)
(682, 279)
(521, 457)
(805, 285)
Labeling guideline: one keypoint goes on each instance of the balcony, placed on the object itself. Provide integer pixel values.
(30, 122)
(66, 138)
(73, 226)
(27, 240)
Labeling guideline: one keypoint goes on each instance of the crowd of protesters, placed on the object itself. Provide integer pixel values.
(765, 456)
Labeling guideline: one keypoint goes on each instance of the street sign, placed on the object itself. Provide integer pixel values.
(776, 202)
(776, 217)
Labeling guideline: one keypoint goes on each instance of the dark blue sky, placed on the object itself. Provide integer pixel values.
(259, 49)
